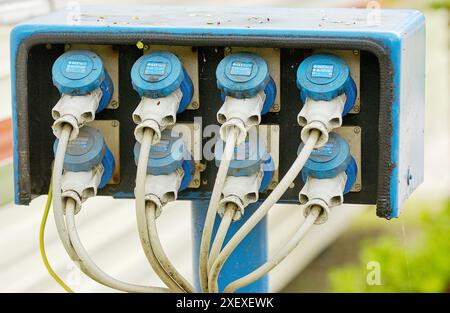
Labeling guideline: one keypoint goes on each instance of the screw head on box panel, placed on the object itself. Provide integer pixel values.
(357, 130)
(114, 104)
(115, 123)
(194, 105)
(356, 52)
(356, 108)
(275, 107)
(227, 50)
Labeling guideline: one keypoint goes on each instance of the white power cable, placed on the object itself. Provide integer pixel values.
(158, 250)
(141, 216)
(259, 214)
(90, 268)
(213, 206)
(58, 210)
(225, 223)
(279, 256)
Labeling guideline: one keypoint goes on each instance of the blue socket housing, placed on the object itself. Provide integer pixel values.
(324, 77)
(330, 160)
(158, 74)
(243, 75)
(87, 151)
(79, 72)
(247, 160)
(168, 155)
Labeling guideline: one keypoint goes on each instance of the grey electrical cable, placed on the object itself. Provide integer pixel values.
(279, 256)
(259, 214)
(159, 251)
(91, 269)
(141, 217)
(213, 205)
(58, 211)
(225, 223)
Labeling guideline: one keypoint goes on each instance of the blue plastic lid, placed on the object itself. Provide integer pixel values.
(85, 151)
(78, 72)
(166, 156)
(329, 160)
(242, 75)
(323, 76)
(271, 93)
(109, 164)
(157, 74)
(247, 157)
(189, 170)
(269, 170)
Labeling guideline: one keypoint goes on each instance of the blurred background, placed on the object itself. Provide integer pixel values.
(412, 252)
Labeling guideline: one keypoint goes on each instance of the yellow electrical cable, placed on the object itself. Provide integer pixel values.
(42, 245)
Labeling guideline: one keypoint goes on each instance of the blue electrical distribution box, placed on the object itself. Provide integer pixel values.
(391, 90)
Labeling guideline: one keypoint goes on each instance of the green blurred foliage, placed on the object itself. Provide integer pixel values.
(443, 4)
(422, 266)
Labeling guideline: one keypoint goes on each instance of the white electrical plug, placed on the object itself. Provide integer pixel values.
(162, 189)
(81, 185)
(321, 115)
(76, 111)
(156, 114)
(325, 192)
(241, 113)
(242, 191)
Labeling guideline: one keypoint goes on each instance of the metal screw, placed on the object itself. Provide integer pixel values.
(227, 50)
(356, 108)
(357, 130)
(194, 105)
(114, 104)
(356, 52)
(196, 182)
(291, 186)
(67, 47)
(276, 107)
(205, 181)
(114, 123)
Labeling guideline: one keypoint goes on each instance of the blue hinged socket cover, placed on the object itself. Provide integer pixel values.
(160, 73)
(271, 93)
(247, 159)
(168, 155)
(78, 72)
(87, 151)
(330, 160)
(324, 77)
(242, 75)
